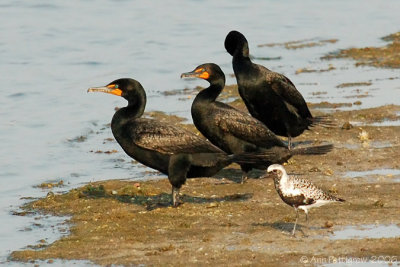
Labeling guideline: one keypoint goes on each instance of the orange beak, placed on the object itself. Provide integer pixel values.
(109, 89)
(197, 73)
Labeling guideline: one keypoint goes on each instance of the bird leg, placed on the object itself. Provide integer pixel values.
(178, 167)
(290, 145)
(175, 196)
(307, 222)
(297, 217)
(245, 170)
(244, 177)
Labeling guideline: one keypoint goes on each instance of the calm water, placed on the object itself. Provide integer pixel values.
(52, 51)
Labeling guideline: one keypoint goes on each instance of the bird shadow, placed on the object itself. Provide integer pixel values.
(162, 200)
(284, 227)
(235, 175)
(288, 227)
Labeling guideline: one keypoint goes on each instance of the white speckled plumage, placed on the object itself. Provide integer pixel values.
(299, 193)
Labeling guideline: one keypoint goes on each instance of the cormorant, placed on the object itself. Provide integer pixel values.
(270, 96)
(162, 146)
(235, 131)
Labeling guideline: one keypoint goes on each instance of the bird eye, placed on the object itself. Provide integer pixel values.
(116, 86)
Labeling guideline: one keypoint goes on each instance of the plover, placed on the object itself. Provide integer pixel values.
(299, 193)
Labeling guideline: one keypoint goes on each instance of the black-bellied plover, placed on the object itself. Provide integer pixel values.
(299, 193)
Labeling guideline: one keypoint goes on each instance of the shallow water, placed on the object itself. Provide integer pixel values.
(367, 231)
(382, 123)
(53, 51)
(392, 175)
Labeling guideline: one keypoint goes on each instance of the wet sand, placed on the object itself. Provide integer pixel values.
(222, 221)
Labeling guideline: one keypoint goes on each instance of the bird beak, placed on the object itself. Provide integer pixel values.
(197, 73)
(109, 89)
(269, 175)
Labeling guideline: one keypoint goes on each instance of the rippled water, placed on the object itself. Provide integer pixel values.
(52, 51)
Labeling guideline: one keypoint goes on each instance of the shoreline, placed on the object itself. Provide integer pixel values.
(130, 222)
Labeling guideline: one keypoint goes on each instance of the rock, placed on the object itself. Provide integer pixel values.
(379, 204)
(314, 169)
(363, 136)
(347, 126)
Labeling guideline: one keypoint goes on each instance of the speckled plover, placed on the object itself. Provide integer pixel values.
(299, 193)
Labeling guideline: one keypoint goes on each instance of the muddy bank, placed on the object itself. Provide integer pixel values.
(387, 56)
(128, 222)
(221, 221)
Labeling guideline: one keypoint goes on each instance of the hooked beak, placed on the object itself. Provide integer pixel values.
(198, 73)
(109, 89)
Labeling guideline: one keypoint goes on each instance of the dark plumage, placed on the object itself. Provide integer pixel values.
(270, 96)
(165, 147)
(235, 131)
(299, 193)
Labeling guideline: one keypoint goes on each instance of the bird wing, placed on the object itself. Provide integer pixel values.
(167, 138)
(298, 200)
(284, 87)
(310, 191)
(244, 126)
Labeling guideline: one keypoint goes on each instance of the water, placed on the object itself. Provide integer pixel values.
(52, 51)
(392, 175)
(367, 231)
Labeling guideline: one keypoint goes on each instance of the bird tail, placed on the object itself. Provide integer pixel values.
(340, 199)
(324, 121)
(256, 158)
(312, 150)
(271, 156)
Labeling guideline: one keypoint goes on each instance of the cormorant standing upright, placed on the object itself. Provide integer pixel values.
(235, 131)
(270, 96)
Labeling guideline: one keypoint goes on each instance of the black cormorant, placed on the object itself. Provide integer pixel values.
(235, 131)
(162, 146)
(270, 96)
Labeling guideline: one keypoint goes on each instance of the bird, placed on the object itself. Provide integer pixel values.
(270, 96)
(165, 147)
(299, 193)
(235, 131)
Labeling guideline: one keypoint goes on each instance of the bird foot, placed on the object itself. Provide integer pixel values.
(175, 197)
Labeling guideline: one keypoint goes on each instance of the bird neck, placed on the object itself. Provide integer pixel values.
(242, 50)
(241, 64)
(211, 93)
(284, 181)
(135, 109)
